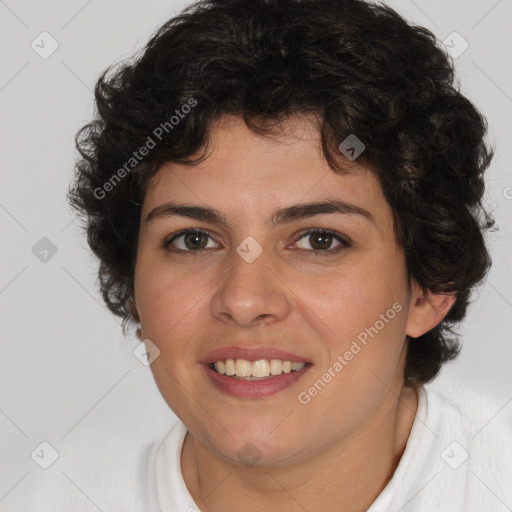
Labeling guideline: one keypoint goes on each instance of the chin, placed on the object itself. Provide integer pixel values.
(255, 447)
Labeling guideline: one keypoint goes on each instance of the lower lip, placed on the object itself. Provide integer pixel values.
(254, 388)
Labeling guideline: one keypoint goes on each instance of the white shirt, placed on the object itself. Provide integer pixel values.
(458, 458)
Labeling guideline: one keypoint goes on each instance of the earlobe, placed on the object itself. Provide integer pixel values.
(427, 310)
(135, 315)
(132, 307)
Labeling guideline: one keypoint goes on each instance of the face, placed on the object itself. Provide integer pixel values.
(336, 299)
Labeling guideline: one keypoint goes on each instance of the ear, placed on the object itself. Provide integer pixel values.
(132, 307)
(426, 310)
(135, 314)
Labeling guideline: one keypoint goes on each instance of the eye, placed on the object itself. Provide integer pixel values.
(321, 240)
(193, 240)
(196, 241)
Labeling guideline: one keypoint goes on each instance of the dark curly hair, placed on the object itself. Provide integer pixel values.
(356, 67)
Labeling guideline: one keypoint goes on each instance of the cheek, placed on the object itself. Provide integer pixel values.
(362, 311)
(362, 351)
(165, 299)
(352, 298)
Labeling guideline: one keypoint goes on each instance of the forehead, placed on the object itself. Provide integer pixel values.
(248, 172)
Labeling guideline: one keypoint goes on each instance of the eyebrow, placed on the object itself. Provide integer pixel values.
(280, 216)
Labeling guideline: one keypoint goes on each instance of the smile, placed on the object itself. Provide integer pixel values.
(251, 386)
(255, 370)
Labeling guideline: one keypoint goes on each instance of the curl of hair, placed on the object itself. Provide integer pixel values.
(356, 67)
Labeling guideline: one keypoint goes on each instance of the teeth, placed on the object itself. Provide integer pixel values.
(276, 367)
(243, 368)
(220, 366)
(261, 369)
(230, 367)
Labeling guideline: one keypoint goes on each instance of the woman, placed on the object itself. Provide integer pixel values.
(285, 199)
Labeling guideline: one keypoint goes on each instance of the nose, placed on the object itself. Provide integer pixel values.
(251, 293)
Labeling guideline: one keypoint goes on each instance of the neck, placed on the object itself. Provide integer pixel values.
(350, 474)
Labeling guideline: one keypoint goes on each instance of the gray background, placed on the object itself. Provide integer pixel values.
(65, 364)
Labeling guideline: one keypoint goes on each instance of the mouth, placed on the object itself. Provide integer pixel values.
(261, 369)
(256, 372)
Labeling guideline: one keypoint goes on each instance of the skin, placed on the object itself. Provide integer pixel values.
(348, 440)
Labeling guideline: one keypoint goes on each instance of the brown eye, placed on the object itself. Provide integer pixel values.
(188, 240)
(321, 241)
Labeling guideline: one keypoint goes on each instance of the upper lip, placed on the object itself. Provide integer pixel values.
(251, 354)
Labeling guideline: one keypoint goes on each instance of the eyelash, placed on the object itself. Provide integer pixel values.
(343, 241)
